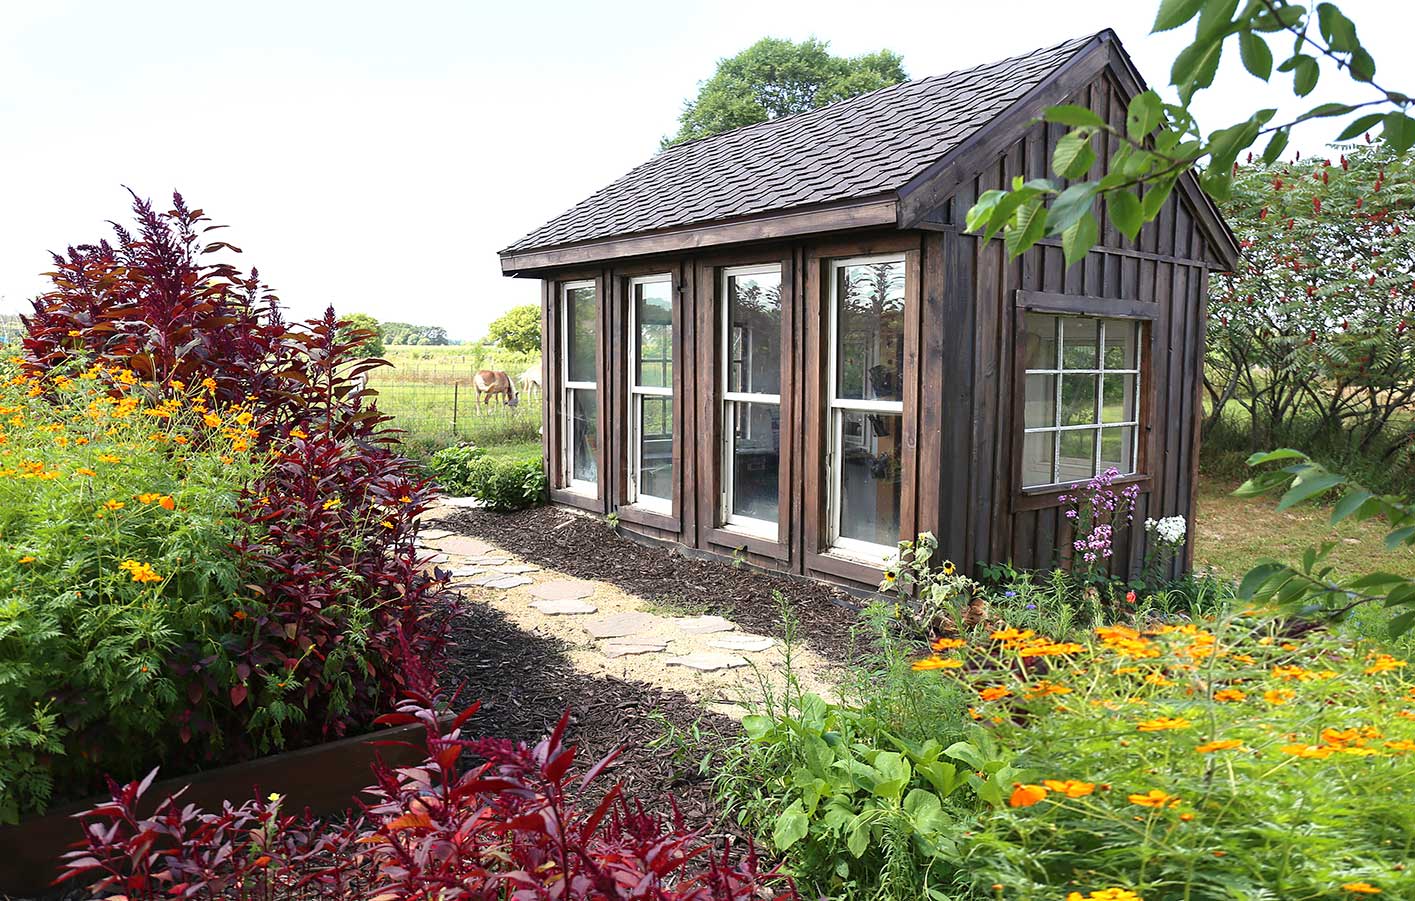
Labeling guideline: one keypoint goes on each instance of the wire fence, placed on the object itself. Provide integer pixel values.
(439, 406)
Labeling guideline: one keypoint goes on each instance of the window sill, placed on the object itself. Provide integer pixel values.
(654, 517)
(1050, 495)
(755, 542)
(573, 497)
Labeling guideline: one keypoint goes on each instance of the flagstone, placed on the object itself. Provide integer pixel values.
(618, 625)
(623, 647)
(564, 606)
(704, 625)
(518, 568)
(498, 580)
(742, 641)
(563, 590)
(707, 662)
(467, 547)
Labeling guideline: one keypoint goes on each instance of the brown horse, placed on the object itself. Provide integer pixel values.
(494, 381)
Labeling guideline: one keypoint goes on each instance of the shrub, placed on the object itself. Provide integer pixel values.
(452, 467)
(507, 484)
(516, 825)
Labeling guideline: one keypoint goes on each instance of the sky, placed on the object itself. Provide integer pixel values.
(376, 155)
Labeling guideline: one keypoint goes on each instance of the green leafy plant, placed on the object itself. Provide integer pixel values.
(929, 601)
(452, 467)
(505, 485)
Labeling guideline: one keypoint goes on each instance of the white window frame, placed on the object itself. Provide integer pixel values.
(837, 407)
(638, 392)
(568, 389)
(730, 399)
(1100, 427)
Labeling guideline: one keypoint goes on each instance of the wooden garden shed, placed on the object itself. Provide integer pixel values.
(779, 342)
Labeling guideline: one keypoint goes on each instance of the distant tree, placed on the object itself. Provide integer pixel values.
(407, 333)
(776, 77)
(517, 330)
(373, 344)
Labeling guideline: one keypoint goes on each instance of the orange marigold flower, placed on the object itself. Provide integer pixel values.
(1071, 788)
(27, 558)
(113, 505)
(1223, 744)
(1105, 894)
(939, 644)
(1011, 634)
(1361, 888)
(141, 572)
(994, 692)
(1229, 694)
(1043, 688)
(1026, 795)
(1308, 752)
(1155, 798)
(148, 497)
(211, 419)
(1291, 673)
(1384, 663)
(1402, 744)
(84, 471)
(1278, 695)
(209, 384)
(936, 662)
(167, 502)
(1163, 724)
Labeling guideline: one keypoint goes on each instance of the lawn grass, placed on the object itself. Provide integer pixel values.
(1233, 533)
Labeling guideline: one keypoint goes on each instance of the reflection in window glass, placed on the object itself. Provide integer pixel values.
(653, 317)
(580, 319)
(869, 348)
(751, 402)
(754, 433)
(580, 440)
(754, 329)
(651, 392)
(870, 473)
(1082, 397)
(584, 435)
(656, 446)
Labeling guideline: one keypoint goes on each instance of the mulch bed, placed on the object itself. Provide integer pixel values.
(525, 682)
(588, 549)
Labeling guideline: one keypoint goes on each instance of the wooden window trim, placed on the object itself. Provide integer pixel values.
(1147, 314)
(552, 393)
(711, 457)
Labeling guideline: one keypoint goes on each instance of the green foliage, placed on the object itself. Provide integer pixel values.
(407, 333)
(517, 330)
(502, 483)
(929, 601)
(452, 467)
(362, 325)
(1161, 141)
(776, 77)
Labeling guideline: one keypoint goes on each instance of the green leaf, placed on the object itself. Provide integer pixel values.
(791, 827)
(1156, 193)
(757, 727)
(1073, 116)
(1143, 114)
(1399, 131)
(1123, 207)
(1325, 111)
(1257, 58)
(1276, 145)
(1195, 66)
(1338, 30)
(1256, 577)
(1274, 456)
(1068, 208)
(1363, 66)
(1005, 212)
(981, 211)
(1073, 155)
(1304, 488)
(1400, 536)
(858, 838)
(1077, 240)
(1349, 504)
(1173, 13)
(1360, 125)
(1401, 624)
(1304, 75)
(1027, 228)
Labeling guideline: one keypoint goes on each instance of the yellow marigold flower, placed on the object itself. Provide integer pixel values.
(1227, 695)
(141, 572)
(1291, 673)
(1071, 788)
(244, 418)
(298, 432)
(1278, 695)
(1051, 649)
(939, 644)
(1155, 798)
(148, 497)
(84, 471)
(180, 439)
(1011, 634)
(74, 333)
(1401, 745)
(1044, 688)
(227, 459)
(1309, 752)
(333, 503)
(1244, 658)
(27, 558)
(994, 692)
(167, 502)
(1026, 795)
(1384, 663)
(1158, 679)
(113, 505)
(209, 384)
(405, 500)
(109, 458)
(1224, 744)
(1163, 724)
(386, 524)
(211, 419)
(1105, 894)
(936, 662)
(1360, 888)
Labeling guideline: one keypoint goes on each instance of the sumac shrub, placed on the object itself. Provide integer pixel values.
(521, 823)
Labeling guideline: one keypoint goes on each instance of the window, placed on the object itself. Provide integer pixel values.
(651, 392)
(1082, 397)
(866, 396)
(751, 398)
(578, 320)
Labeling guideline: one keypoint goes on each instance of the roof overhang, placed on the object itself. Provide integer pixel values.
(881, 210)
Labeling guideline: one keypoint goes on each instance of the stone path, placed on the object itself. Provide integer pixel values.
(614, 633)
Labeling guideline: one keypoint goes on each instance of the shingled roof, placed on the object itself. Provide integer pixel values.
(865, 146)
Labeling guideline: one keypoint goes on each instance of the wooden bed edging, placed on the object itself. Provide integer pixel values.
(324, 778)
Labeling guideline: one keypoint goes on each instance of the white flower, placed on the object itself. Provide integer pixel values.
(1169, 530)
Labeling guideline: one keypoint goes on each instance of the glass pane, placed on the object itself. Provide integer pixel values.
(1038, 456)
(1081, 342)
(656, 446)
(1118, 449)
(1078, 399)
(754, 333)
(1118, 398)
(1121, 344)
(870, 332)
(1078, 455)
(653, 317)
(1041, 401)
(580, 316)
(754, 431)
(870, 468)
(1039, 342)
(584, 435)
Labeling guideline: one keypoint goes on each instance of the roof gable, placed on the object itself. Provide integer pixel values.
(866, 146)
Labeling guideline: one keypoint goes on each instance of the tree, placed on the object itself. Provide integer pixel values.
(407, 333)
(1161, 141)
(517, 330)
(372, 346)
(776, 77)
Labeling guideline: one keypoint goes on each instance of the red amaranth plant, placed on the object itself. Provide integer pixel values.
(517, 825)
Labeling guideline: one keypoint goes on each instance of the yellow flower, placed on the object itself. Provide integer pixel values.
(1278, 695)
(1044, 688)
(1155, 798)
(209, 384)
(1308, 752)
(1026, 795)
(935, 662)
(1071, 788)
(1224, 744)
(1401, 745)
(27, 558)
(1162, 724)
(333, 503)
(940, 644)
(298, 432)
(1229, 694)
(948, 568)
(1384, 663)
(109, 458)
(1361, 888)
(84, 471)
(1105, 894)
(141, 572)
(994, 692)
(211, 419)
(148, 497)
(113, 505)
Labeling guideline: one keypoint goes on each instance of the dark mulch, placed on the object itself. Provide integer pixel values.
(525, 683)
(587, 548)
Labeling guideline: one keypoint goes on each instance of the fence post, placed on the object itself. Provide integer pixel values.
(454, 409)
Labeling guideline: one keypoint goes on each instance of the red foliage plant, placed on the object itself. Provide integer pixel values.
(339, 602)
(515, 825)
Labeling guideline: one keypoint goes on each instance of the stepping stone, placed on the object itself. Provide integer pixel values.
(498, 580)
(437, 559)
(468, 547)
(491, 560)
(742, 642)
(617, 625)
(519, 568)
(705, 625)
(623, 647)
(707, 662)
(433, 534)
(563, 590)
(564, 607)
(462, 502)
(468, 571)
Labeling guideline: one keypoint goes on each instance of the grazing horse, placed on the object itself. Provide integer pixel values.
(530, 380)
(494, 381)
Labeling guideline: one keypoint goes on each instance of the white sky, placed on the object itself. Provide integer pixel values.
(376, 155)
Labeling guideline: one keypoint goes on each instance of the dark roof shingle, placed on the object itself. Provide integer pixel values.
(867, 145)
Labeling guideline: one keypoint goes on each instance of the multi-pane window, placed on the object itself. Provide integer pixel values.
(866, 401)
(751, 398)
(579, 318)
(651, 392)
(1082, 397)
